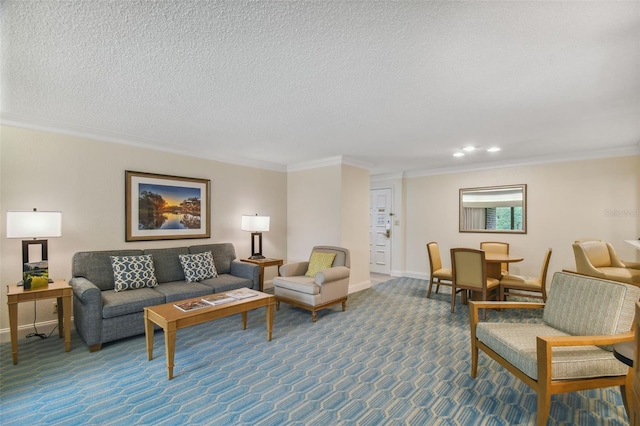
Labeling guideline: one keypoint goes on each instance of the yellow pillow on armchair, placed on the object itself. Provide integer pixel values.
(319, 262)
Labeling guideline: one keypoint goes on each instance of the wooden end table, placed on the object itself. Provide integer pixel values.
(264, 263)
(171, 319)
(58, 289)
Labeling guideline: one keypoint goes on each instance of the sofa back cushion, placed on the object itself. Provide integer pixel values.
(96, 266)
(581, 305)
(167, 263)
(223, 255)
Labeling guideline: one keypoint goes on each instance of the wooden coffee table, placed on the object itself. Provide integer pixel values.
(172, 319)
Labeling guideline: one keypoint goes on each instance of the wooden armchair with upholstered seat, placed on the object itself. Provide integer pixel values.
(519, 285)
(497, 247)
(571, 349)
(321, 282)
(470, 274)
(436, 272)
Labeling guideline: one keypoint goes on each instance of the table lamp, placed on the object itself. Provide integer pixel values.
(256, 225)
(36, 225)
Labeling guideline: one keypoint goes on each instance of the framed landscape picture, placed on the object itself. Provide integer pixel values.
(162, 207)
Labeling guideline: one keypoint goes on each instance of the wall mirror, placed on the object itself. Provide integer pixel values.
(498, 209)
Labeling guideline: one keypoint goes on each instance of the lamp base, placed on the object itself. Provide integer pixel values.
(257, 256)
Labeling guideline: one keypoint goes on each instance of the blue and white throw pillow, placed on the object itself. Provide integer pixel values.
(131, 272)
(198, 266)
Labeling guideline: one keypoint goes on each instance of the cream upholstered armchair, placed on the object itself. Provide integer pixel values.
(570, 350)
(321, 282)
(597, 258)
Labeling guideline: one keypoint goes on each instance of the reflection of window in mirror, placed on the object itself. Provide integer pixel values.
(493, 209)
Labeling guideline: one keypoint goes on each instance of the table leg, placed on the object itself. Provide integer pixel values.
(244, 320)
(170, 349)
(148, 333)
(494, 270)
(66, 320)
(261, 278)
(60, 317)
(269, 320)
(13, 325)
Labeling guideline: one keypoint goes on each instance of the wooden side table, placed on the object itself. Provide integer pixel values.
(58, 289)
(264, 263)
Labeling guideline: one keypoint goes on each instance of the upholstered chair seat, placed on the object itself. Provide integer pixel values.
(511, 285)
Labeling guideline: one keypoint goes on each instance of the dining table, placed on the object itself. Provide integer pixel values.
(494, 263)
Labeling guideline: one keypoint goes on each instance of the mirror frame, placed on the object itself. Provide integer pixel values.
(522, 187)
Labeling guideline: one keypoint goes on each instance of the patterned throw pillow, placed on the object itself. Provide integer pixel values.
(319, 262)
(198, 266)
(131, 272)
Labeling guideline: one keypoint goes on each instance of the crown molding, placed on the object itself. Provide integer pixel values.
(43, 125)
(545, 159)
(338, 160)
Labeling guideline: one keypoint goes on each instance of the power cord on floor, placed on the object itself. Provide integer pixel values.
(35, 333)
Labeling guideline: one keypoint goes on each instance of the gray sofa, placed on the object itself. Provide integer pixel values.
(102, 315)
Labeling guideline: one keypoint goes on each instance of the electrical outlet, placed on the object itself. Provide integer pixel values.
(55, 307)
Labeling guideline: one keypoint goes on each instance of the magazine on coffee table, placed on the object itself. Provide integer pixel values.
(218, 299)
(241, 293)
(191, 305)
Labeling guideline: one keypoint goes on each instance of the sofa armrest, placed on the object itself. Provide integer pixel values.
(86, 291)
(87, 310)
(294, 269)
(332, 274)
(246, 270)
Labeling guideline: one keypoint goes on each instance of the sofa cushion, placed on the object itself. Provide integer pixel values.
(132, 272)
(223, 255)
(180, 290)
(319, 262)
(120, 303)
(580, 305)
(167, 263)
(96, 266)
(226, 282)
(198, 266)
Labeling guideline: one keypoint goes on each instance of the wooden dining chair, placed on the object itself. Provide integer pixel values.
(519, 285)
(469, 273)
(436, 272)
(497, 247)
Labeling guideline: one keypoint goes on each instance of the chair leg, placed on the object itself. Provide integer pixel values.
(430, 285)
(277, 305)
(544, 404)
(474, 359)
(314, 317)
(453, 299)
(344, 306)
(626, 391)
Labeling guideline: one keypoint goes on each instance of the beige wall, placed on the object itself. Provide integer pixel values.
(566, 201)
(355, 222)
(329, 205)
(84, 179)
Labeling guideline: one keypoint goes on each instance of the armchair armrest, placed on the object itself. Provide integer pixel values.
(332, 274)
(294, 269)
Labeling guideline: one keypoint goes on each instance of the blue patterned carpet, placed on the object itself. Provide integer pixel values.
(393, 358)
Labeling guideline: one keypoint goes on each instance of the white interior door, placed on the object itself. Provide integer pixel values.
(380, 229)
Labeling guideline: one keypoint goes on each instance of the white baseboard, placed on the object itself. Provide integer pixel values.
(417, 275)
(354, 288)
(44, 327)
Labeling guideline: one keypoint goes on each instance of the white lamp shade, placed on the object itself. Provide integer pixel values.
(255, 223)
(34, 224)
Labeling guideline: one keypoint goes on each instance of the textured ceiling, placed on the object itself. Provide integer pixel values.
(396, 86)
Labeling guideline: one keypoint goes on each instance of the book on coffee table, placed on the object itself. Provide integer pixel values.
(191, 305)
(242, 293)
(218, 299)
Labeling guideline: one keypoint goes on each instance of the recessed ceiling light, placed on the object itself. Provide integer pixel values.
(469, 148)
(493, 149)
(458, 154)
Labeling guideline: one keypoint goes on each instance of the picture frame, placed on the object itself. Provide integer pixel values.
(164, 207)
